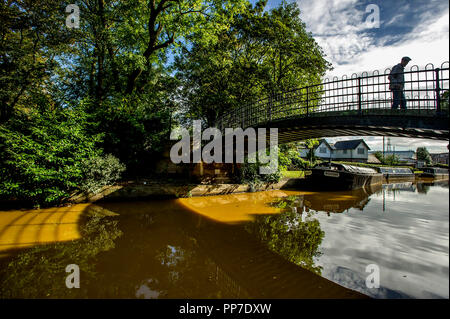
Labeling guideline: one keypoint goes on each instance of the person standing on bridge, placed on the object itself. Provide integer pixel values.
(397, 84)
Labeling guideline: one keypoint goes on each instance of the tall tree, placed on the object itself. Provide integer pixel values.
(423, 155)
(261, 54)
(127, 42)
(32, 36)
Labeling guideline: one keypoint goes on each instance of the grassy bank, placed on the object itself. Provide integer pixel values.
(293, 174)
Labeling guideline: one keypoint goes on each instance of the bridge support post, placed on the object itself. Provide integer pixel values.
(438, 92)
(307, 101)
(359, 96)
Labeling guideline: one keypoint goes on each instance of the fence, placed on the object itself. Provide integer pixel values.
(365, 93)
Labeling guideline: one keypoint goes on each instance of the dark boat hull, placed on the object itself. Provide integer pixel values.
(324, 179)
(399, 177)
(433, 175)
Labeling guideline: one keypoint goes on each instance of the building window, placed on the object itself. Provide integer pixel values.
(344, 151)
(323, 149)
(361, 151)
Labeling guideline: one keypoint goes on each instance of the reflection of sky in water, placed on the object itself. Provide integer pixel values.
(145, 292)
(408, 240)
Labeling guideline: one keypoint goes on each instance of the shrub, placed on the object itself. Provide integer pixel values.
(42, 155)
(100, 171)
(300, 163)
(248, 173)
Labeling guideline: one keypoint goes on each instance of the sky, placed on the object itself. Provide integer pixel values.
(353, 42)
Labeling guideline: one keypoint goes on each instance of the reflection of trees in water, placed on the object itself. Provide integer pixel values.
(293, 233)
(295, 238)
(330, 202)
(423, 188)
(154, 258)
(39, 272)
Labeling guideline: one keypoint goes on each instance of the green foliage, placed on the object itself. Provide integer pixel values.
(115, 67)
(379, 156)
(135, 130)
(260, 55)
(310, 144)
(300, 163)
(33, 35)
(423, 155)
(294, 174)
(42, 155)
(445, 101)
(389, 160)
(248, 173)
(100, 171)
(290, 156)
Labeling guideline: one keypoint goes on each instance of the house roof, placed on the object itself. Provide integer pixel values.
(349, 145)
(324, 141)
(372, 159)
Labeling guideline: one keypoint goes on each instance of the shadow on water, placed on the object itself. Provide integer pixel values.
(161, 249)
(34, 261)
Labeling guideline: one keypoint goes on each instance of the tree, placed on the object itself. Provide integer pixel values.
(121, 66)
(32, 37)
(260, 55)
(42, 155)
(387, 160)
(445, 100)
(379, 156)
(125, 44)
(310, 144)
(423, 155)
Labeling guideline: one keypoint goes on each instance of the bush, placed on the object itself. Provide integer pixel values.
(135, 131)
(300, 163)
(100, 171)
(248, 173)
(44, 156)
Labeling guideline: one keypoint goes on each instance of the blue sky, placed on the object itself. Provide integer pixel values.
(415, 28)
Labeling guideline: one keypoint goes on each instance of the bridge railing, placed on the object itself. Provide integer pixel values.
(361, 93)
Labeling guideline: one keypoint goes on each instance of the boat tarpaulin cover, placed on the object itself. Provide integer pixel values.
(359, 170)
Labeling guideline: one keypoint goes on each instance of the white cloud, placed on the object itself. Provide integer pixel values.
(337, 26)
(427, 45)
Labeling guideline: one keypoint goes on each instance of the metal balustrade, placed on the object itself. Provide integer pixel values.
(361, 94)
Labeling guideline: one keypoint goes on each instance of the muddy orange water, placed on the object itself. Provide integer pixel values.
(275, 244)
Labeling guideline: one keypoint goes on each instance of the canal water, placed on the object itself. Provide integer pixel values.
(274, 244)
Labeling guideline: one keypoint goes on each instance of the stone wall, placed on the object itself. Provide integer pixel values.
(146, 190)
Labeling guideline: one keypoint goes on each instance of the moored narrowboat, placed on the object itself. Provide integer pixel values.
(396, 173)
(434, 172)
(333, 176)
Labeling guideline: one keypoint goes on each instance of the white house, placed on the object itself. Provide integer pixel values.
(322, 150)
(349, 151)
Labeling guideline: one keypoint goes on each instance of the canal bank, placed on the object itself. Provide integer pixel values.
(159, 190)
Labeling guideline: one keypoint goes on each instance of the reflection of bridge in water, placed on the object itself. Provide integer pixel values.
(356, 105)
